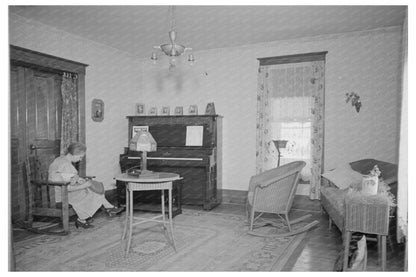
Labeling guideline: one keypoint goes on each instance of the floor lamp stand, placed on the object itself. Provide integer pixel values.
(279, 144)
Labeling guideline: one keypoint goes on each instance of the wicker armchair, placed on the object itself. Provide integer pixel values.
(272, 192)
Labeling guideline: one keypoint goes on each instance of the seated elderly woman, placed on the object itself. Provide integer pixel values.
(85, 196)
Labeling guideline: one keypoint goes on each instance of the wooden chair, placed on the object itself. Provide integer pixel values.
(273, 191)
(41, 196)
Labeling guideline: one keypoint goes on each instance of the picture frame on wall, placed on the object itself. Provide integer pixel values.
(179, 110)
(140, 109)
(193, 110)
(153, 111)
(97, 110)
(165, 110)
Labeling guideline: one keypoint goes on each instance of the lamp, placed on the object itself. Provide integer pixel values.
(143, 141)
(279, 144)
(172, 49)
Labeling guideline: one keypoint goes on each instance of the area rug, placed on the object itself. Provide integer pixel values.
(205, 241)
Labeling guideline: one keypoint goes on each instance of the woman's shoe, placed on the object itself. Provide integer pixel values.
(114, 211)
(84, 225)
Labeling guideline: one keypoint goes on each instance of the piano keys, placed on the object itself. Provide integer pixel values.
(167, 159)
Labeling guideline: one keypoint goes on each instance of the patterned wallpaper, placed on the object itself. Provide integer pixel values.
(365, 62)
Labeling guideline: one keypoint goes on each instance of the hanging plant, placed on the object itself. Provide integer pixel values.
(355, 100)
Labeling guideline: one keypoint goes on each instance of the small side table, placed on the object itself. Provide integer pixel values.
(367, 216)
(159, 181)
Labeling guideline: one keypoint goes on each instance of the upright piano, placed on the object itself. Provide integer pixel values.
(189, 145)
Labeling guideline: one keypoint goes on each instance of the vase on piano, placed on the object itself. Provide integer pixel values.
(210, 108)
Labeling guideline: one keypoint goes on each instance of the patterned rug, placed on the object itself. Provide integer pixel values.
(205, 241)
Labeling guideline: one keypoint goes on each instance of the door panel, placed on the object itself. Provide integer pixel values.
(14, 103)
(41, 89)
(18, 150)
(35, 126)
(44, 132)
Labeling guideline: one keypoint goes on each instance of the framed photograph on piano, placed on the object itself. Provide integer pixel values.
(179, 110)
(139, 109)
(165, 110)
(193, 110)
(153, 111)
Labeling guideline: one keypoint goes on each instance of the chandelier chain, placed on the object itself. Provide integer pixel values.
(172, 18)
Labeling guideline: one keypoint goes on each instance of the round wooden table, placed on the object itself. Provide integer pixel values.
(155, 181)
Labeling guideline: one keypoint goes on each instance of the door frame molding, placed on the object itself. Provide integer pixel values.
(20, 56)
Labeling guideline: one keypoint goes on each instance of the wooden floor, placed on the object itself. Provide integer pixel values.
(321, 246)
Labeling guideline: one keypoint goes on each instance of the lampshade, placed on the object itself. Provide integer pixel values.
(280, 143)
(143, 141)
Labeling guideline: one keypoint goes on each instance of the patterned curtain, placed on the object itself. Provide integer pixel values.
(263, 124)
(69, 130)
(317, 134)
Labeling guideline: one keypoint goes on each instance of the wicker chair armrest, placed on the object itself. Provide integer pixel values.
(268, 177)
(49, 183)
(266, 183)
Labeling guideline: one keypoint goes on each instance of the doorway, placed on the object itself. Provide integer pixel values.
(35, 115)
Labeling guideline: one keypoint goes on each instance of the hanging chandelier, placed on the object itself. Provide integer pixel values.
(172, 49)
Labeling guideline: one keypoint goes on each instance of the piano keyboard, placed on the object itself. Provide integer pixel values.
(163, 158)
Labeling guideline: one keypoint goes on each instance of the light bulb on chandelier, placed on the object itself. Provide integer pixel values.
(191, 59)
(172, 63)
(172, 49)
(154, 58)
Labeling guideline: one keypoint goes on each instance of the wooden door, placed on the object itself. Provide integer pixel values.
(35, 123)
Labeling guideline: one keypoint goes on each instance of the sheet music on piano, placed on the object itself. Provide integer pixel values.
(194, 135)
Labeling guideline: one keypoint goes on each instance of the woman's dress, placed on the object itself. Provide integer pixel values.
(85, 202)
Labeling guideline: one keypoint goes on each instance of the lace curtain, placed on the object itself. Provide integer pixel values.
(69, 130)
(291, 111)
(290, 107)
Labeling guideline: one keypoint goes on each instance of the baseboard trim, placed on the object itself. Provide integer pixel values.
(231, 196)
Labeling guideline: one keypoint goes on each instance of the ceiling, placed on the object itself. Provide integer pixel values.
(136, 29)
